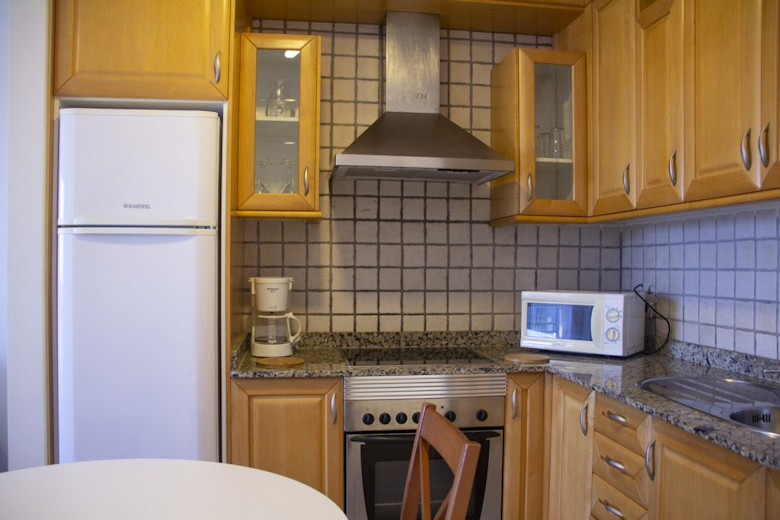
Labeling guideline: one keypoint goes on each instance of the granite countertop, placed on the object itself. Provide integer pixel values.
(616, 378)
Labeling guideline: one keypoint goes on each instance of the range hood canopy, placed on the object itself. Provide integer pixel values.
(411, 140)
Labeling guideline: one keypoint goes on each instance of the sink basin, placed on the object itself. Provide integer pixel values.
(763, 418)
(753, 405)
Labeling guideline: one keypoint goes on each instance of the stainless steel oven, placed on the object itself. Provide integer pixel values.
(380, 419)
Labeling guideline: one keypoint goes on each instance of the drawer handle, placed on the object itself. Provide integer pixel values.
(615, 464)
(673, 168)
(514, 403)
(217, 68)
(333, 414)
(650, 460)
(763, 146)
(583, 419)
(612, 509)
(530, 188)
(306, 181)
(744, 146)
(614, 417)
(626, 180)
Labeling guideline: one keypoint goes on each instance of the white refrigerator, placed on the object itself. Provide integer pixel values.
(137, 354)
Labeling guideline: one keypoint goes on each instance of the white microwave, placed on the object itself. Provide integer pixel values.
(603, 323)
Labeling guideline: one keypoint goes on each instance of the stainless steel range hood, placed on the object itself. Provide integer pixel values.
(411, 140)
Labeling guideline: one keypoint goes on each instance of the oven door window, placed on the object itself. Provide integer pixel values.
(384, 462)
(559, 321)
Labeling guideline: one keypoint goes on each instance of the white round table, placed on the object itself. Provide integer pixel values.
(158, 489)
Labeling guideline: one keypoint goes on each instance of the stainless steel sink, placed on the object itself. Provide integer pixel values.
(753, 405)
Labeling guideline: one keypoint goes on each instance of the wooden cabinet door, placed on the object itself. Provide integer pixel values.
(142, 48)
(614, 106)
(571, 448)
(696, 479)
(769, 137)
(293, 427)
(722, 99)
(523, 446)
(660, 150)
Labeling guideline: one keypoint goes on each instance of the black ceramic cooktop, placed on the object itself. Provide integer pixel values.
(389, 356)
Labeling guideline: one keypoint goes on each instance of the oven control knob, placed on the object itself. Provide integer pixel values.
(384, 418)
(450, 415)
(368, 419)
(416, 417)
(400, 418)
(482, 415)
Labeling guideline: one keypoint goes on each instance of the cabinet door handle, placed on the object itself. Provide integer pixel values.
(615, 464)
(626, 180)
(583, 418)
(673, 168)
(622, 421)
(612, 509)
(333, 414)
(217, 68)
(530, 188)
(514, 403)
(650, 460)
(744, 146)
(763, 146)
(306, 181)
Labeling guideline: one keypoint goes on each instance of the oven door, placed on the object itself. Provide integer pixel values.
(376, 475)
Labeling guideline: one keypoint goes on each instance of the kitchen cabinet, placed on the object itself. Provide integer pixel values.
(772, 493)
(523, 446)
(613, 182)
(293, 427)
(660, 150)
(571, 448)
(696, 479)
(621, 482)
(538, 119)
(278, 126)
(142, 48)
(769, 136)
(722, 97)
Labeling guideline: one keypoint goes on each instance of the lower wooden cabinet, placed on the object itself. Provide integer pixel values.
(524, 435)
(571, 447)
(293, 427)
(696, 479)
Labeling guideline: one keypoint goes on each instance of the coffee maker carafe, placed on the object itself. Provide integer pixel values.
(272, 321)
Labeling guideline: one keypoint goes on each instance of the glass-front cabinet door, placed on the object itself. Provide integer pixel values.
(538, 118)
(278, 144)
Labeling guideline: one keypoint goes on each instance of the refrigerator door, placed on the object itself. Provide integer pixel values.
(138, 167)
(137, 346)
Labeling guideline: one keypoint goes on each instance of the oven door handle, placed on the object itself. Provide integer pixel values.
(382, 439)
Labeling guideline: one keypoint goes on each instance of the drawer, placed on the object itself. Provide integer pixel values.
(607, 503)
(621, 468)
(620, 422)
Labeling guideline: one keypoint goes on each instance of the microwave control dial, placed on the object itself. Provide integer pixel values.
(613, 315)
(612, 334)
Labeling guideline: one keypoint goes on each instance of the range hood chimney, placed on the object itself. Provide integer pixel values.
(411, 140)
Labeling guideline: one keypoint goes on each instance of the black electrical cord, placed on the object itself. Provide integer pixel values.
(668, 325)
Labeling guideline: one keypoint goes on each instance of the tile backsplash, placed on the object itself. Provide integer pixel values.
(414, 256)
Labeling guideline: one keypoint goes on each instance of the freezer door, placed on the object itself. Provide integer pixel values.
(138, 167)
(137, 346)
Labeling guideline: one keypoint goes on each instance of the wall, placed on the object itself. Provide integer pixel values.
(24, 102)
(415, 256)
(716, 274)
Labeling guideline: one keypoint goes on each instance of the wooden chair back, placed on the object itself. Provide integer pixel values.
(460, 455)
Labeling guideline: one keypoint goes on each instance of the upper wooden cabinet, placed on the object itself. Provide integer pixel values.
(722, 97)
(660, 150)
(571, 447)
(538, 119)
(613, 182)
(142, 48)
(293, 427)
(278, 126)
(769, 137)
